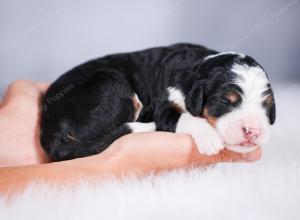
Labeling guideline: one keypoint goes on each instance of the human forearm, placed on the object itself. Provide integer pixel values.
(15, 179)
(137, 154)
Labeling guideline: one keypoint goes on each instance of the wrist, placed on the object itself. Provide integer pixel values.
(104, 165)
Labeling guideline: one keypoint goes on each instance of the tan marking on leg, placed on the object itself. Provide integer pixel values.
(137, 104)
(177, 107)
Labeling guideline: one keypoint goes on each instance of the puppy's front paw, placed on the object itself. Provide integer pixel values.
(207, 138)
(208, 141)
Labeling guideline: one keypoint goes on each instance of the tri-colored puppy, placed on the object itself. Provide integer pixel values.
(221, 99)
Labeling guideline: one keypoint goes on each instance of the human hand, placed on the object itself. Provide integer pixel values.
(144, 153)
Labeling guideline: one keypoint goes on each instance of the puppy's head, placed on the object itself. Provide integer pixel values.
(237, 98)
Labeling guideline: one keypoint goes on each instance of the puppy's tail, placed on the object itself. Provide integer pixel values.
(66, 147)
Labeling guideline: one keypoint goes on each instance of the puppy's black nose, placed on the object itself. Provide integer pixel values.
(250, 133)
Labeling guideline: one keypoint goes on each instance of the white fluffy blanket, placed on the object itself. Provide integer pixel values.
(268, 189)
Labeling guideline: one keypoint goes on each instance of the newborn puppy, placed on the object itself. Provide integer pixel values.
(220, 99)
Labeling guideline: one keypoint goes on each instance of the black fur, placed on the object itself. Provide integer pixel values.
(86, 109)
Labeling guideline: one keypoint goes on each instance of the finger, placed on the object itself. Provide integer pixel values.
(43, 86)
(231, 156)
(26, 85)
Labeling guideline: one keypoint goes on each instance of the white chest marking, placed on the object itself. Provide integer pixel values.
(176, 97)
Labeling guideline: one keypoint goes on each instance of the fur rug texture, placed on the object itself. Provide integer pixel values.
(268, 189)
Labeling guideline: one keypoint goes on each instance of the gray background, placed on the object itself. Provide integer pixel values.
(42, 39)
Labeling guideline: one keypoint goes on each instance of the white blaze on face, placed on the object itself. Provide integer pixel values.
(250, 115)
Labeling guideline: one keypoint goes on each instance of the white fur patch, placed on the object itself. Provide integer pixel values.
(176, 96)
(252, 80)
(138, 127)
(206, 137)
(224, 53)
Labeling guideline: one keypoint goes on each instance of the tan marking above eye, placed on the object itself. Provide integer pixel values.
(233, 97)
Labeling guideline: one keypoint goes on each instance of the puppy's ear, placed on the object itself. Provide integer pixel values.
(269, 104)
(272, 113)
(194, 99)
